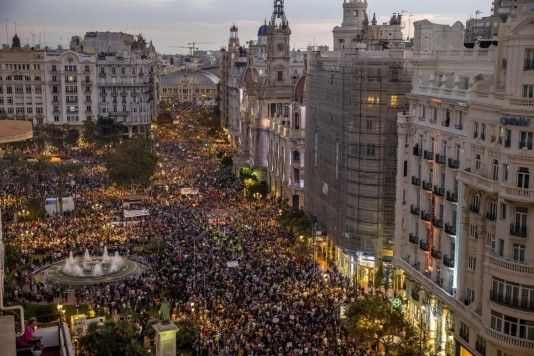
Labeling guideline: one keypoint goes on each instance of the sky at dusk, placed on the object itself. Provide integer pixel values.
(178, 22)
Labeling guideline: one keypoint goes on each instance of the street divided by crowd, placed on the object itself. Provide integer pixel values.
(225, 262)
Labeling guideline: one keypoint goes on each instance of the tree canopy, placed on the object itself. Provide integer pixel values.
(375, 323)
(132, 164)
(111, 339)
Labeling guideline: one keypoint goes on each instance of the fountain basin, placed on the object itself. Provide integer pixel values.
(55, 274)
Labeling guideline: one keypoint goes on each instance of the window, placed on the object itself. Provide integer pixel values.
(503, 211)
(482, 131)
(528, 91)
(519, 253)
(473, 231)
(280, 75)
(464, 331)
(495, 170)
(521, 215)
(477, 162)
(529, 59)
(470, 295)
(460, 120)
(370, 150)
(471, 263)
(505, 169)
(523, 177)
(507, 138)
(492, 211)
(475, 129)
(369, 125)
(490, 241)
(525, 140)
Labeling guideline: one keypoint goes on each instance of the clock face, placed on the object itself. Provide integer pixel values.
(280, 47)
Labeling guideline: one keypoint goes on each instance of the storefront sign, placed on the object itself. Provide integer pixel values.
(516, 121)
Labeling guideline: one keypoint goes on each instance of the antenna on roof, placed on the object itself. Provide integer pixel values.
(477, 12)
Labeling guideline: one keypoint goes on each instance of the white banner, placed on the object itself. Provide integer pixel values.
(135, 213)
(188, 191)
(232, 264)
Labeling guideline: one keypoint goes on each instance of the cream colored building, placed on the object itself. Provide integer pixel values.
(464, 205)
(195, 87)
(22, 83)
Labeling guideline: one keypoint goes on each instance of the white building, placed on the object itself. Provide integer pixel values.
(464, 206)
(71, 89)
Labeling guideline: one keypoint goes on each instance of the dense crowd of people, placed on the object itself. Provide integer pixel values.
(225, 262)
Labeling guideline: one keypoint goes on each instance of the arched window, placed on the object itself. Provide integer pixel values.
(475, 203)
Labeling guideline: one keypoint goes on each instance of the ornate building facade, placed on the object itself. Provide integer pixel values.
(68, 87)
(259, 107)
(464, 204)
(22, 83)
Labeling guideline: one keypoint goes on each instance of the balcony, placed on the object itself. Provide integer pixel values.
(423, 245)
(439, 191)
(452, 197)
(427, 186)
(435, 254)
(478, 182)
(441, 159)
(437, 223)
(428, 155)
(102, 75)
(516, 194)
(414, 210)
(426, 216)
(448, 262)
(491, 216)
(509, 266)
(510, 341)
(416, 181)
(417, 151)
(510, 302)
(450, 229)
(414, 239)
(454, 163)
(518, 230)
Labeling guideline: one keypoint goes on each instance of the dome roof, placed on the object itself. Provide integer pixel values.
(262, 31)
(199, 77)
(250, 76)
(299, 89)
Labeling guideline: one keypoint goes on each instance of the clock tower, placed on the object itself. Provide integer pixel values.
(278, 46)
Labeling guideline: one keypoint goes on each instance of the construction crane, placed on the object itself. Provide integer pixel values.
(191, 46)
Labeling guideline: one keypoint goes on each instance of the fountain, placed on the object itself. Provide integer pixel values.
(89, 269)
(92, 266)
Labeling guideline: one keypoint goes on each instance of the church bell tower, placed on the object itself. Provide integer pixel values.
(278, 46)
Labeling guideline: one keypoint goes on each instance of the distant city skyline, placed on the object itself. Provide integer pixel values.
(207, 22)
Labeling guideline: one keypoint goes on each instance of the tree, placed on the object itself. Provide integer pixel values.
(12, 255)
(71, 137)
(164, 120)
(111, 339)
(374, 323)
(132, 164)
(187, 333)
(155, 245)
(108, 131)
(89, 132)
(41, 166)
(379, 277)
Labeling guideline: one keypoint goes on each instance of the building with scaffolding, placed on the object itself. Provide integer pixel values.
(354, 95)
